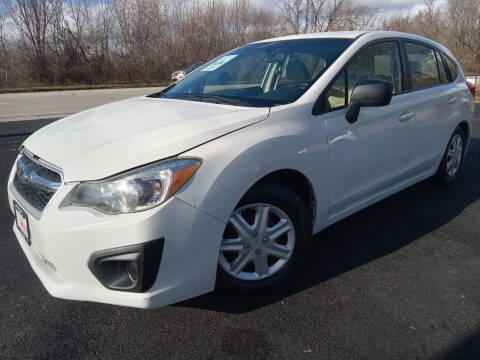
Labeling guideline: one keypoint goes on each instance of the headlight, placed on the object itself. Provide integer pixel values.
(136, 190)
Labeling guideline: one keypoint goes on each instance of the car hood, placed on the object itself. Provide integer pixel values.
(112, 138)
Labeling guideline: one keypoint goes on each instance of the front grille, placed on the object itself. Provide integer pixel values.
(35, 183)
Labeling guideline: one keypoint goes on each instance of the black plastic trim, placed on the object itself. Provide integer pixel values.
(372, 93)
(447, 70)
(407, 75)
(110, 266)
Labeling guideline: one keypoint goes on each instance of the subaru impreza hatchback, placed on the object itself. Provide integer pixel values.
(224, 176)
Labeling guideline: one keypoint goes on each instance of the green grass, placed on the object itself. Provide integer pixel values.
(76, 87)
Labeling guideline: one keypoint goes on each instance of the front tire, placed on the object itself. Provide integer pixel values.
(264, 239)
(452, 160)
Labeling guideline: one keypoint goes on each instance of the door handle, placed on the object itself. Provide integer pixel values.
(406, 117)
(452, 101)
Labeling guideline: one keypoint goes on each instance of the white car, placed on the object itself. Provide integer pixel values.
(224, 176)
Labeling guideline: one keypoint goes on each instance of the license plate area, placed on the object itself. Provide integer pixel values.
(21, 220)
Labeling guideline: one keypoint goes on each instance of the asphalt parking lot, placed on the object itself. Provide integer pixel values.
(57, 104)
(400, 280)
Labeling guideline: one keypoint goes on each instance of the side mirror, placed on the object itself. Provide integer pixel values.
(368, 93)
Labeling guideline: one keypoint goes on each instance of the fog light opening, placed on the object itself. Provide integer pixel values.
(132, 271)
(131, 268)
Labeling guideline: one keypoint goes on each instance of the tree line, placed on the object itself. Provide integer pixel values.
(57, 42)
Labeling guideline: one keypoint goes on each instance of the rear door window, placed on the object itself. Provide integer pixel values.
(423, 66)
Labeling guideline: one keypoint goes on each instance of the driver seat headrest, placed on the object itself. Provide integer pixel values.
(297, 71)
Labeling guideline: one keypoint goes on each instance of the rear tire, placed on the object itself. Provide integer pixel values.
(253, 256)
(452, 160)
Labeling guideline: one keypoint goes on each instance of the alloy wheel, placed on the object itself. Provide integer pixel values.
(454, 155)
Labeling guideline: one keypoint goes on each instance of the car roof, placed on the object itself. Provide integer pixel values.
(321, 35)
(369, 35)
(348, 35)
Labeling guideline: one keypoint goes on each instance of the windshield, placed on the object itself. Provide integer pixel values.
(196, 65)
(263, 74)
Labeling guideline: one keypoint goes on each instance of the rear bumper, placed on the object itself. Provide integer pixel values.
(65, 238)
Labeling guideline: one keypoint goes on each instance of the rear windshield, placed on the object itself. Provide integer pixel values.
(262, 75)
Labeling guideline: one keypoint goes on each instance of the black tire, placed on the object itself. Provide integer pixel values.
(442, 176)
(301, 219)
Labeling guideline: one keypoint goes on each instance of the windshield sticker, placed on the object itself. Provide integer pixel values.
(219, 63)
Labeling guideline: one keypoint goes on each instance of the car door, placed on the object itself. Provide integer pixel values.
(433, 99)
(369, 156)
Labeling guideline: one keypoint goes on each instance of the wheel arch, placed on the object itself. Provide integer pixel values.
(296, 182)
(466, 128)
(233, 166)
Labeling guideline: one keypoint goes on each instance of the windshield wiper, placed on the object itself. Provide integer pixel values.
(212, 98)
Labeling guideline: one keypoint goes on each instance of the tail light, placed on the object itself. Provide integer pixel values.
(471, 87)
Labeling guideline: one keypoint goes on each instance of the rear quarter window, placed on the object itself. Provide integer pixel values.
(452, 68)
(441, 69)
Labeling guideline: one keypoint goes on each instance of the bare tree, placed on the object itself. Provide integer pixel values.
(33, 18)
(302, 16)
(344, 15)
(464, 21)
(263, 25)
(295, 16)
(140, 36)
(96, 41)
(3, 17)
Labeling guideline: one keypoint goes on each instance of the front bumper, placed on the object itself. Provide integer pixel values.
(64, 238)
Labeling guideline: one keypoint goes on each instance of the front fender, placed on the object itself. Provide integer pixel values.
(234, 163)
